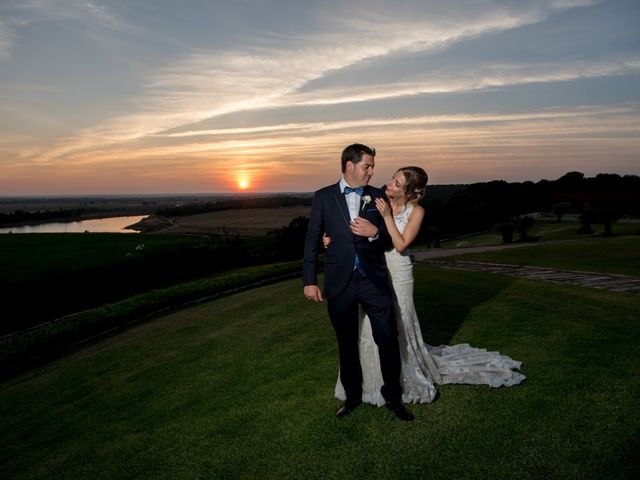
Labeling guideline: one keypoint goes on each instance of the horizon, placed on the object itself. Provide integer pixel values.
(248, 193)
(107, 97)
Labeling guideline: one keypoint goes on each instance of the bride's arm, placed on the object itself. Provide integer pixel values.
(401, 240)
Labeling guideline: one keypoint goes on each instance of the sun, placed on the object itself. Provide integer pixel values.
(243, 183)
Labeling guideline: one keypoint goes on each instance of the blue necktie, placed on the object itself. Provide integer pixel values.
(358, 266)
(348, 190)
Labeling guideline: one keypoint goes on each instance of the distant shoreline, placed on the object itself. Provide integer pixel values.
(152, 224)
(72, 219)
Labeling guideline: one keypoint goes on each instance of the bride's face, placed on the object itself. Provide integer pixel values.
(395, 186)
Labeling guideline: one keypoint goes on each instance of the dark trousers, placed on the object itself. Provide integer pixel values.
(343, 312)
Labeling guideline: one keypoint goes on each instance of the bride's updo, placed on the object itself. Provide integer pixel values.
(416, 183)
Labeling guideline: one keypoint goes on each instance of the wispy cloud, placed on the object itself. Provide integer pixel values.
(427, 120)
(83, 11)
(440, 132)
(206, 84)
(6, 40)
(472, 78)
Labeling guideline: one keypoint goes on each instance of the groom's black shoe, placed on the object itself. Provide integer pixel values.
(399, 409)
(347, 408)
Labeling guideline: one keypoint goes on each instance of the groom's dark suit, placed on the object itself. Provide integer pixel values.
(345, 287)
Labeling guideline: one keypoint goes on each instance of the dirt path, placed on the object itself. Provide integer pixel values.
(447, 252)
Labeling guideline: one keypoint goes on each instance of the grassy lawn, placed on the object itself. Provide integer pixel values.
(620, 255)
(242, 387)
(547, 230)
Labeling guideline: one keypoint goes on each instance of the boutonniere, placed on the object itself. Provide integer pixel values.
(366, 200)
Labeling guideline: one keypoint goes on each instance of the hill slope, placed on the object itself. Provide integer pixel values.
(242, 387)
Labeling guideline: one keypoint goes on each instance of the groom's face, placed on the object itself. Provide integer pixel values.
(359, 174)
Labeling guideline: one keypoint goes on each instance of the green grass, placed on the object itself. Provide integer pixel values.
(242, 387)
(25, 256)
(619, 255)
(547, 230)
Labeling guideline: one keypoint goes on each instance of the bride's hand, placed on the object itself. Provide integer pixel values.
(326, 240)
(383, 207)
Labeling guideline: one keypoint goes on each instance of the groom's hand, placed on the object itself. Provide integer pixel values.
(363, 227)
(313, 292)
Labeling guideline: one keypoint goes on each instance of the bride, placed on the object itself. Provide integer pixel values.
(423, 366)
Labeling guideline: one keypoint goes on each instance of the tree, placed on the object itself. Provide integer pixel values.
(524, 224)
(571, 182)
(290, 239)
(586, 219)
(433, 237)
(606, 216)
(560, 209)
(506, 230)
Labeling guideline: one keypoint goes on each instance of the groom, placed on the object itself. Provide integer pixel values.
(355, 273)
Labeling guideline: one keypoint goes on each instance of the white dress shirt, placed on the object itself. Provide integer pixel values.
(353, 203)
(353, 199)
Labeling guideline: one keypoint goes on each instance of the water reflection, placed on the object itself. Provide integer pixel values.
(98, 225)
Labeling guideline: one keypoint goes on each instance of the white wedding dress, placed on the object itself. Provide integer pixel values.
(423, 366)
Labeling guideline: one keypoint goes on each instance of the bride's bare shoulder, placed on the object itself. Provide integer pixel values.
(417, 212)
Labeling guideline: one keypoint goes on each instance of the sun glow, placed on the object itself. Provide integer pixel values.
(243, 183)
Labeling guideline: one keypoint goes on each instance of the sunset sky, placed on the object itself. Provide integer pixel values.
(154, 96)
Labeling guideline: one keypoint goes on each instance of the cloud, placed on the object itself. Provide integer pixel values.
(472, 78)
(440, 132)
(86, 12)
(204, 84)
(424, 121)
(6, 40)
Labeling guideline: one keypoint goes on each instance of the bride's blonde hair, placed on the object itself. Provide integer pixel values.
(416, 183)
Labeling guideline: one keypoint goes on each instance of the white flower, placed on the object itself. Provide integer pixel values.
(366, 200)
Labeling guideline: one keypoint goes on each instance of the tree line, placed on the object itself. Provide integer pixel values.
(233, 204)
(489, 205)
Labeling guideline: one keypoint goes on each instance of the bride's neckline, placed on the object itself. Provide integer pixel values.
(401, 212)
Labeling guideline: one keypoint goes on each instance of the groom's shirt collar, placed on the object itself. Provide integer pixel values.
(353, 199)
(343, 183)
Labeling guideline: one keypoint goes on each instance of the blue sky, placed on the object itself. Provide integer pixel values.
(194, 96)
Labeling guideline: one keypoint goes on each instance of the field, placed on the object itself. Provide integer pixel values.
(241, 387)
(27, 256)
(245, 222)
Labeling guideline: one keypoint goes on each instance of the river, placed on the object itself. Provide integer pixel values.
(97, 225)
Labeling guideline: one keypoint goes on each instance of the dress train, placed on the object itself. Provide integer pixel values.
(424, 366)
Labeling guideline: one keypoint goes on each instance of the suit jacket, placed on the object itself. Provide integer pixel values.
(330, 214)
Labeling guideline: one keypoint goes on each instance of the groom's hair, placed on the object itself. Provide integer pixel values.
(353, 153)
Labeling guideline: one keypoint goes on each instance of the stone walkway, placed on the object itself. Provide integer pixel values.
(604, 281)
